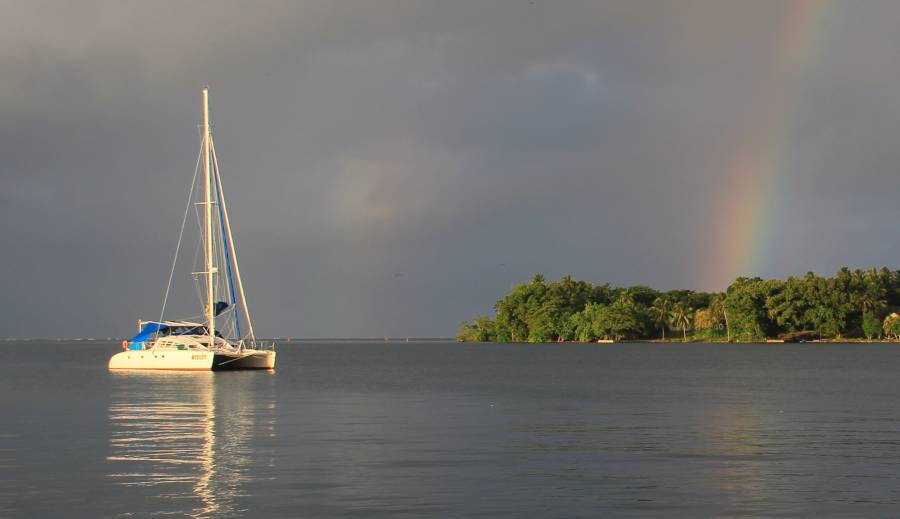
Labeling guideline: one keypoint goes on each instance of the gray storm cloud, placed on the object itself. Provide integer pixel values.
(394, 167)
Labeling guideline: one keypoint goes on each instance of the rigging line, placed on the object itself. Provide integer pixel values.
(180, 236)
(194, 268)
(226, 245)
(222, 281)
(220, 246)
(193, 201)
(194, 264)
(237, 268)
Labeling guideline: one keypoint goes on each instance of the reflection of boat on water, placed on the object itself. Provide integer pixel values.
(202, 346)
(182, 443)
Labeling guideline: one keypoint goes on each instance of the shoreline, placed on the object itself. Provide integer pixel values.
(703, 341)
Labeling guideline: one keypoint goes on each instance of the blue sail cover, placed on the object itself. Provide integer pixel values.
(149, 329)
(152, 328)
(220, 307)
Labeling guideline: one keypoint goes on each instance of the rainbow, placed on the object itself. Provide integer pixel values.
(747, 213)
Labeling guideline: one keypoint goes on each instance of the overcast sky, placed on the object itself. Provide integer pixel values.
(395, 167)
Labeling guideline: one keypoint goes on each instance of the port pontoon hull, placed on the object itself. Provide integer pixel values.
(246, 359)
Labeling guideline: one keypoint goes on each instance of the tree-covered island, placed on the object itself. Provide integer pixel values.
(853, 304)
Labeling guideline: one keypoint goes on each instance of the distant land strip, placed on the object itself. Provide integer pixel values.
(851, 306)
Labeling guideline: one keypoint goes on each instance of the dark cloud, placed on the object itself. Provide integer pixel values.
(439, 140)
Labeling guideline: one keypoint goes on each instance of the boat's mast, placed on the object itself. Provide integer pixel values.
(207, 185)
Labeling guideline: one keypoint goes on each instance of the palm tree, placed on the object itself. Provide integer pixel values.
(872, 298)
(682, 315)
(661, 311)
(718, 308)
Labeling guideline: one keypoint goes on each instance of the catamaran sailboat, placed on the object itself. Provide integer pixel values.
(202, 345)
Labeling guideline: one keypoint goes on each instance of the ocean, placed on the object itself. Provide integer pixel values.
(440, 429)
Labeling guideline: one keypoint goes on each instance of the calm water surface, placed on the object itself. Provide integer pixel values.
(448, 430)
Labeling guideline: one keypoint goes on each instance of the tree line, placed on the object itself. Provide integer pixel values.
(850, 304)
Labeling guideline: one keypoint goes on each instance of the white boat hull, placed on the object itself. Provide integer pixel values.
(192, 360)
(180, 360)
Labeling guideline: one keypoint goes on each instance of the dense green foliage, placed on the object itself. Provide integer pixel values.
(851, 304)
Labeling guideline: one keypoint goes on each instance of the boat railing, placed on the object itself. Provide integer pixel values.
(259, 345)
(265, 345)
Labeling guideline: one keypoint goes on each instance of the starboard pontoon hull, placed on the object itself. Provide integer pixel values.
(177, 360)
(192, 360)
